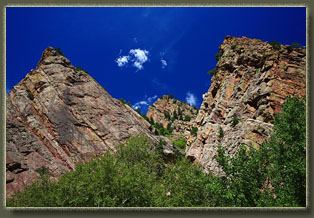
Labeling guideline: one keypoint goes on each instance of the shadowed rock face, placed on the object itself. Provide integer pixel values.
(57, 116)
(170, 106)
(252, 81)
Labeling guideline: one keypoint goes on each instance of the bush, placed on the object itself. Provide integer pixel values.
(275, 45)
(187, 118)
(233, 47)
(218, 55)
(58, 50)
(194, 131)
(30, 96)
(180, 143)
(235, 121)
(212, 72)
(295, 45)
(221, 133)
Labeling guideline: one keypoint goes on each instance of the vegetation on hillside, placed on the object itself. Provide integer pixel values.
(137, 176)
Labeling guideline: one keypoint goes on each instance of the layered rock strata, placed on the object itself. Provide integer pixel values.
(252, 80)
(57, 116)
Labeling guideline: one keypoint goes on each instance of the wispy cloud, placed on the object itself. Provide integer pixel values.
(146, 102)
(191, 99)
(136, 56)
(163, 63)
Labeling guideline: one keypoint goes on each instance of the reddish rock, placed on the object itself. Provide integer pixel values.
(57, 116)
(252, 81)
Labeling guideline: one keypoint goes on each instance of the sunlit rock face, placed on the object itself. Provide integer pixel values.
(167, 110)
(57, 116)
(252, 80)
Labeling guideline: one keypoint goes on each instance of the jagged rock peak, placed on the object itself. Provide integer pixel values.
(251, 81)
(53, 56)
(57, 116)
(168, 110)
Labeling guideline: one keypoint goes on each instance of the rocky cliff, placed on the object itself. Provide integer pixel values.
(57, 116)
(169, 111)
(251, 81)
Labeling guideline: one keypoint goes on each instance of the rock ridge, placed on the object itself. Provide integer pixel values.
(251, 81)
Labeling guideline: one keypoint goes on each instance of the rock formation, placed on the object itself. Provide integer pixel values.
(169, 110)
(57, 116)
(252, 80)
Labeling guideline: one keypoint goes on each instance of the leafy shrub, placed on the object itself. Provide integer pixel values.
(194, 131)
(30, 96)
(122, 100)
(233, 47)
(257, 70)
(180, 143)
(235, 121)
(295, 45)
(221, 133)
(212, 72)
(81, 69)
(218, 55)
(58, 50)
(276, 45)
(187, 118)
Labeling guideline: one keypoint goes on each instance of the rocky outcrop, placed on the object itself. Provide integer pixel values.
(167, 110)
(58, 116)
(252, 80)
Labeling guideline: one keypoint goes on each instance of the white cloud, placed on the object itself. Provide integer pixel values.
(140, 57)
(137, 56)
(145, 102)
(191, 99)
(163, 63)
(122, 61)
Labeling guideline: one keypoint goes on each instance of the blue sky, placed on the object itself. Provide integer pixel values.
(140, 54)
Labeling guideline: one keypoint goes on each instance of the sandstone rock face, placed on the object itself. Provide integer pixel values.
(251, 83)
(180, 114)
(59, 115)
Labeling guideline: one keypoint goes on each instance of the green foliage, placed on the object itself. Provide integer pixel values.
(233, 47)
(274, 175)
(221, 132)
(122, 100)
(170, 96)
(30, 95)
(235, 121)
(295, 45)
(180, 142)
(194, 131)
(218, 55)
(257, 70)
(58, 50)
(187, 118)
(174, 101)
(167, 115)
(169, 128)
(175, 115)
(81, 69)
(137, 176)
(212, 72)
(276, 45)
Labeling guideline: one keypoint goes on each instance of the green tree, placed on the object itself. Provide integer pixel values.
(58, 50)
(194, 131)
(276, 45)
(274, 175)
(235, 121)
(218, 55)
(221, 132)
(295, 45)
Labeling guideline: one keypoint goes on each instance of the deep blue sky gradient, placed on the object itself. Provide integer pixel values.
(186, 38)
